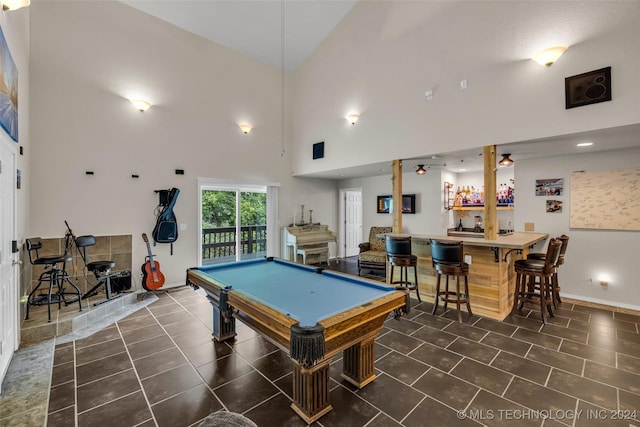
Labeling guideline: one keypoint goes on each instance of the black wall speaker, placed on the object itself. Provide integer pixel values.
(588, 88)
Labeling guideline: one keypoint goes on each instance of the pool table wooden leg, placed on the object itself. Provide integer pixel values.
(358, 363)
(311, 390)
(224, 327)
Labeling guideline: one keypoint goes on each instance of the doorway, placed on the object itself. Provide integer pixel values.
(350, 229)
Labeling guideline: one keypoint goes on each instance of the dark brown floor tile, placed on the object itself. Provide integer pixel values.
(136, 335)
(629, 402)
(528, 369)
(379, 351)
(62, 396)
(434, 336)
(150, 346)
(566, 333)
(572, 314)
(199, 335)
(286, 383)
(160, 310)
(136, 323)
(482, 375)
(547, 341)
(276, 412)
(620, 345)
(106, 334)
(435, 322)
(583, 388)
(244, 392)
(601, 329)
(403, 325)
(254, 348)
(437, 414)
(180, 328)
(467, 331)
(186, 408)
(628, 363)
(348, 409)
(523, 322)
(168, 383)
(401, 367)
(126, 411)
(620, 325)
(507, 344)
(159, 362)
(593, 311)
(589, 415)
(480, 352)
(537, 397)
(435, 356)
(393, 397)
(629, 336)
(556, 359)
(382, 420)
(626, 317)
(144, 311)
(63, 418)
(613, 376)
(207, 352)
(446, 389)
(102, 368)
(597, 354)
(63, 354)
(62, 373)
(400, 342)
(492, 410)
(107, 389)
(179, 316)
(223, 370)
(148, 423)
(274, 365)
(495, 326)
(99, 351)
(452, 314)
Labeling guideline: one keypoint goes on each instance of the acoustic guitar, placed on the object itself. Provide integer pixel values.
(152, 278)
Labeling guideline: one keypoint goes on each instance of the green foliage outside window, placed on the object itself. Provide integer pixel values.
(219, 208)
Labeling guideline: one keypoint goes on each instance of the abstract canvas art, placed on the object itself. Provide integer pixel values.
(8, 90)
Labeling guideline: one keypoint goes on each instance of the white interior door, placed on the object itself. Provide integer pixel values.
(353, 222)
(8, 281)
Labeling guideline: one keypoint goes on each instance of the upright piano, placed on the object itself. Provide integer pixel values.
(307, 243)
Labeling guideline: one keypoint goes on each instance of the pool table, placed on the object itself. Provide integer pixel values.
(309, 312)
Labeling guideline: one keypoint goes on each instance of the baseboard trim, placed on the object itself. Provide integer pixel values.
(609, 305)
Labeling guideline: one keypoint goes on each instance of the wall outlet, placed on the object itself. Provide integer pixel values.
(467, 259)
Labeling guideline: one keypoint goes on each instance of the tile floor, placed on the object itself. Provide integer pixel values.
(159, 366)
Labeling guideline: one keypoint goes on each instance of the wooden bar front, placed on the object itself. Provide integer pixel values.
(491, 273)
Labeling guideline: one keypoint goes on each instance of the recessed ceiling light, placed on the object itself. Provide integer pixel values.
(584, 144)
(462, 170)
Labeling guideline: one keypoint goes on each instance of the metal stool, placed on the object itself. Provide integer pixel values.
(399, 255)
(52, 274)
(448, 260)
(527, 271)
(540, 256)
(100, 269)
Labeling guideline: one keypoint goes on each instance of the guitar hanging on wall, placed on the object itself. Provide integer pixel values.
(152, 278)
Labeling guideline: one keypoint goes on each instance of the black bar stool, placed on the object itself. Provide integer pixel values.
(399, 255)
(540, 256)
(448, 260)
(527, 271)
(52, 274)
(100, 269)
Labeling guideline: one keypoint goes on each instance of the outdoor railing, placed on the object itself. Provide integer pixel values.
(220, 242)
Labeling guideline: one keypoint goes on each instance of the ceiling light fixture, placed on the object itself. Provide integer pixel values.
(353, 118)
(421, 170)
(584, 144)
(14, 4)
(244, 127)
(548, 56)
(141, 104)
(506, 162)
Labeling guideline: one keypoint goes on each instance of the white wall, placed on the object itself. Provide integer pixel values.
(384, 55)
(590, 252)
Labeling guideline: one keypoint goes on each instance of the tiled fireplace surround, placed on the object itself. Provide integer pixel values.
(115, 248)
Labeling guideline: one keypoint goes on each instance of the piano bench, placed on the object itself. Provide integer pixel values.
(322, 253)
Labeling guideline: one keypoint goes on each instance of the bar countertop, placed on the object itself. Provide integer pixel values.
(515, 240)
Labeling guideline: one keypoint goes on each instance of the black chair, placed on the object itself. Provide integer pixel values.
(527, 271)
(448, 260)
(55, 274)
(100, 269)
(540, 256)
(399, 255)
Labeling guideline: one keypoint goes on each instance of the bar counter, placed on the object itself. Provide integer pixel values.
(491, 273)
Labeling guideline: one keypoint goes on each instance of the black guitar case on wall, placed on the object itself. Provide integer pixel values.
(166, 229)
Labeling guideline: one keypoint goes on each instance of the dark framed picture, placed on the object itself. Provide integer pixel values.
(318, 150)
(384, 204)
(588, 88)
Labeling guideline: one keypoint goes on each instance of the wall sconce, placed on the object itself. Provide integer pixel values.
(506, 162)
(604, 280)
(421, 170)
(141, 104)
(549, 56)
(246, 128)
(14, 4)
(353, 118)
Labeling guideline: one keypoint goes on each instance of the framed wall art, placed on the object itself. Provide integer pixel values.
(588, 88)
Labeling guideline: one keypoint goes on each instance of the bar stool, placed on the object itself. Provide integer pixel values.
(555, 287)
(399, 255)
(52, 274)
(448, 260)
(527, 271)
